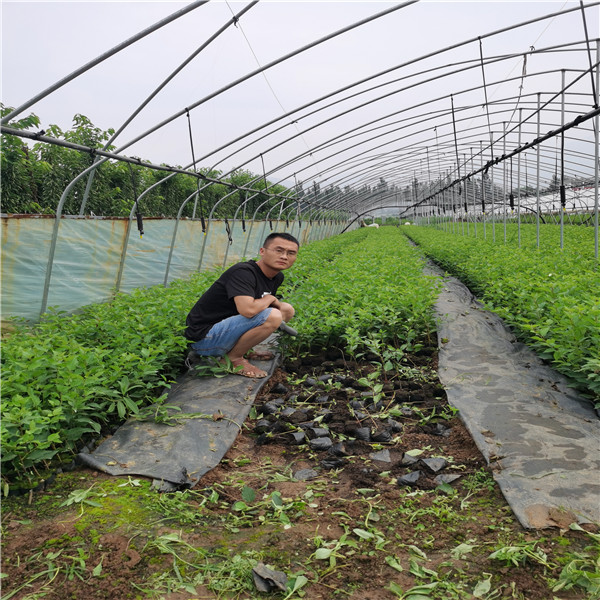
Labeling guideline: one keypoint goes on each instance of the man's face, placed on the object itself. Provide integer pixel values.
(279, 254)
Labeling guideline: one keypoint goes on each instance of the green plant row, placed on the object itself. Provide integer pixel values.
(68, 376)
(550, 296)
(365, 283)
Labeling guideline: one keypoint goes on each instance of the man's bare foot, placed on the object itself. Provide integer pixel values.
(260, 355)
(248, 370)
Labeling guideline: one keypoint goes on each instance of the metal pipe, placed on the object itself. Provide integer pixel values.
(211, 39)
(101, 58)
(562, 182)
(174, 236)
(537, 175)
(504, 176)
(519, 177)
(596, 151)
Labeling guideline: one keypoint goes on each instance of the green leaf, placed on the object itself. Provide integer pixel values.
(483, 587)
(462, 550)
(393, 562)
(248, 494)
(297, 583)
(414, 452)
(323, 553)
(446, 488)
(365, 535)
(97, 569)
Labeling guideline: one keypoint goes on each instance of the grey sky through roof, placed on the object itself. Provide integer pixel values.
(470, 67)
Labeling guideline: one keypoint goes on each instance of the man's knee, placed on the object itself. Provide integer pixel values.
(274, 319)
(287, 311)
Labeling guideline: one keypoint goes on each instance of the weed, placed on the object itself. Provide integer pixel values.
(582, 569)
(519, 554)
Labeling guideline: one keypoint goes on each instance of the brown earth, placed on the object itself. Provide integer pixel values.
(381, 533)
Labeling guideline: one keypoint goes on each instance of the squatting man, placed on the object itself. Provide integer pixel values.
(240, 309)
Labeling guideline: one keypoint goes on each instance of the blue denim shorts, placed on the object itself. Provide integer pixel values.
(223, 336)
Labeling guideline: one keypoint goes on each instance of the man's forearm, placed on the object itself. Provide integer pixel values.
(249, 307)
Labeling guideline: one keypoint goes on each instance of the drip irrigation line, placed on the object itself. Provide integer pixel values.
(198, 197)
(102, 58)
(533, 144)
(120, 157)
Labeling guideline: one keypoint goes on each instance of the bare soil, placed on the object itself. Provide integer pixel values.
(353, 491)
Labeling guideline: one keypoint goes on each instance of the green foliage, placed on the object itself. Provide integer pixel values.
(582, 570)
(550, 296)
(67, 377)
(19, 180)
(34, 177)
(358, 290)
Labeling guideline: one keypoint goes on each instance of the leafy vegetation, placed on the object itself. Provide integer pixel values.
(67, 377)
(362, 286)
(116, 536)
(550, 296)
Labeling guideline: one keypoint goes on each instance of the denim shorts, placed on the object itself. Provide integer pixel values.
(223, 336)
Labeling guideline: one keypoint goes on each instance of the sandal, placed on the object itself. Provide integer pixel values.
(248, 370)
(260, 355)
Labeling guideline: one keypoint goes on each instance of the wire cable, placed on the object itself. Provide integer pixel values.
(195, 170)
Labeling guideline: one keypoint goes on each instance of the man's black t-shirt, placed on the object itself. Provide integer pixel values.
(216, 304)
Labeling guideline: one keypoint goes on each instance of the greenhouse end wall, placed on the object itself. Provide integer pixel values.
(94, 256)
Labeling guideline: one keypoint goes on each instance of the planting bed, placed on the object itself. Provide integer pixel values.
(337, 522)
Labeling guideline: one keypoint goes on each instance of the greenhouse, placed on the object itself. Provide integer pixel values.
(418, 185)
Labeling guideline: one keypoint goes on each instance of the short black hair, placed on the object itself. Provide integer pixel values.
(285, 236)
